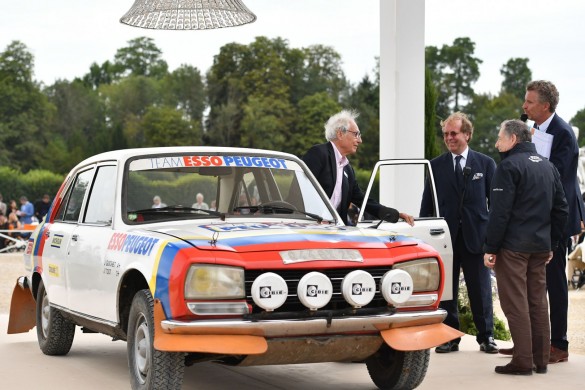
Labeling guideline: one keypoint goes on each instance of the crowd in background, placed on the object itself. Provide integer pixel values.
(14, 217)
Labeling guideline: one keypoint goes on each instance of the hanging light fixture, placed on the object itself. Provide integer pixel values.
(187, 14)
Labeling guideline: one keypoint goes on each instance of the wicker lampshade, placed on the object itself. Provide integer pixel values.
(187, 14)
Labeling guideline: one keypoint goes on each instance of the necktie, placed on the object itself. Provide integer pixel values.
(458, 172)
(536, 126)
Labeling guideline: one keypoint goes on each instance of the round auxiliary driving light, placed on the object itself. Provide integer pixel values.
(315, 290)
(358, 288)
(396, 286)
(269, 291)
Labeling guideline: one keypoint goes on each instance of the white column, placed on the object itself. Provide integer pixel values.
(402, 72)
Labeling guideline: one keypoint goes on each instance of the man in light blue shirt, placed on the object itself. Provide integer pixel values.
(26, 212)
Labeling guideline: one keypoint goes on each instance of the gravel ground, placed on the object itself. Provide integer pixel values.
(11, 267)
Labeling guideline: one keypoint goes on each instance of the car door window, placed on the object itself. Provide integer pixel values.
(100, 206)
(71, 206)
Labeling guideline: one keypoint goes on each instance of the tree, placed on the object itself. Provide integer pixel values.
(462, 69)
(454, 70)
(140, 58)
(579, 121)
(516, 76)
(266, 123)
(432, 149)
(24, 110)
(313, 112)
(184, 90)
(79, 117)
(98, 75)
(323, 71)
(166, 126)
(365, 99)
(487, 113)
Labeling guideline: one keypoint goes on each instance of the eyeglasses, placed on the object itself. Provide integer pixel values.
(356, 134)
(451, 133)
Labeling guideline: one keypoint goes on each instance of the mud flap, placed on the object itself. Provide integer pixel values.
(415, 338)
(220, 344)
(22, 310)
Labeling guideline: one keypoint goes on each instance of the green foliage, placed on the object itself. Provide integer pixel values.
(266, 123)
(466, 324)
(432, 148)
(140, 58)
(579, 121)
(313, 112)
(454, 70)
(487, 112)
(33, 184)
(24, 110)
(165, 126)
(365, 98)
(516, 75)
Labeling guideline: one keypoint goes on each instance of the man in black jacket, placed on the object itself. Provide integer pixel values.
(330, 165)
(527, 219)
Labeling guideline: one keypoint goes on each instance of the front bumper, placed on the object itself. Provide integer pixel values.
(304, 327)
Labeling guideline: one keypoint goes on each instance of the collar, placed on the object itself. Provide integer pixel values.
(544, 125)
(464, 154)
(339, 159)
(522, 147)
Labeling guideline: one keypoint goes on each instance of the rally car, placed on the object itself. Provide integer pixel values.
(230, 255)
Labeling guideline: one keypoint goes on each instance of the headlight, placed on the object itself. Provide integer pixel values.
(214, 282)
(425, 273)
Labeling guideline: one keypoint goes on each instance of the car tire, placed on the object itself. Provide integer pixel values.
(150, 369)
(391, 369)
(54, 332)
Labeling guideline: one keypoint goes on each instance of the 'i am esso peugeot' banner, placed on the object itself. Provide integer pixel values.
(212, 161)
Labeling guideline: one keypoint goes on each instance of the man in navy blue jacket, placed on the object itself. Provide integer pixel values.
(463, 179)
(540, 103)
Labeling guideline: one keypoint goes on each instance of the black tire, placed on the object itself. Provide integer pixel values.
(54, 332)
(399, 370)
(150, 369)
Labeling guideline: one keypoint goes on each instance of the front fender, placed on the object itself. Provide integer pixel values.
(415, 338)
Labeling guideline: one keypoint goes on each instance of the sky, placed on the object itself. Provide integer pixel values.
(67, 36)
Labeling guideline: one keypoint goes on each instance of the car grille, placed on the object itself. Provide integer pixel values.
(337, 302)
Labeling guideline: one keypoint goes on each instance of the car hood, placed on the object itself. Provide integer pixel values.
(262, 236)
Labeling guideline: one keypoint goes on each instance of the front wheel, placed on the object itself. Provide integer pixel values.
(150, 369)
(54, 332)
(398, 370)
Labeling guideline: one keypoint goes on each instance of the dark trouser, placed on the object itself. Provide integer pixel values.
(522, 290)
(479, 290)
(558, 296)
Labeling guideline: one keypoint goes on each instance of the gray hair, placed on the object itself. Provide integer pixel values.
(547, 93)
(519, 128)
(340, 121)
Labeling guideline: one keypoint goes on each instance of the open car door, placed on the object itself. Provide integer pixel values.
(400, 184)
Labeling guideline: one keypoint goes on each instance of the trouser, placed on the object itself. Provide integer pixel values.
(558, 296)
(479, 290)
(522, 290)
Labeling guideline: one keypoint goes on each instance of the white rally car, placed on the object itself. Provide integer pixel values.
(250, 277)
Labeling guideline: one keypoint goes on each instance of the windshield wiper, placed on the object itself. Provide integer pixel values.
(269, 209)
(182, 210)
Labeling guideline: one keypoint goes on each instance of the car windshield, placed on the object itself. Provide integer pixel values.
(174, 187)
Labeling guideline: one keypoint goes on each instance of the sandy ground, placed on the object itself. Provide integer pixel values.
(11, 267)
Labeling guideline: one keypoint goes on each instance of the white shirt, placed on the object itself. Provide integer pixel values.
(340, 163)
(463, 160)
(544, 125)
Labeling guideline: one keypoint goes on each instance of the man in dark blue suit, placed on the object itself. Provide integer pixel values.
(330, 165)
(540, 103)
(462, 179)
